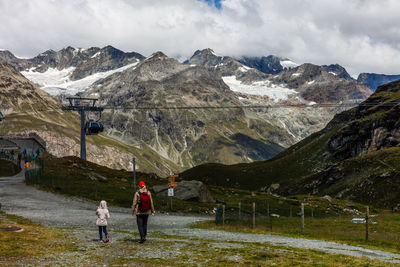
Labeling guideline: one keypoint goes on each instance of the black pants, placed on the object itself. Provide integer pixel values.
(141, 221)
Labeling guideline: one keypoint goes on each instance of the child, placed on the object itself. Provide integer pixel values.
(102, 216)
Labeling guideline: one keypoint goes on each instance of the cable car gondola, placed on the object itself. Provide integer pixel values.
(93, 127)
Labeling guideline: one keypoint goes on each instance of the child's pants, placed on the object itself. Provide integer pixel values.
(101, 229)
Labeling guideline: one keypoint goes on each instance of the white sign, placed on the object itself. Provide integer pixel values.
(170, 192)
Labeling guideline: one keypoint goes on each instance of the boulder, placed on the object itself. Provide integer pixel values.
(187, 190)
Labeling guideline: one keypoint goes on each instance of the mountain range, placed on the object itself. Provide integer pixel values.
(162, 107)
(355, 157)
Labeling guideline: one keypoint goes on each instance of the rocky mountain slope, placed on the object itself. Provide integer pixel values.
(192, 133)
(269, 64)
(354, 157)
(71, 70)
(373, 80)
(29, 109)
(287, 100)
(306, 84)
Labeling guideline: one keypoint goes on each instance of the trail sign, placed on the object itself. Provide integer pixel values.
(172, 180)
(171, 192)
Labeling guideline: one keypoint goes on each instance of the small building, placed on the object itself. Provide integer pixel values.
(18, 143)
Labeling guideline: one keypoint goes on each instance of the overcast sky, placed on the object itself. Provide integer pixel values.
(361, 35)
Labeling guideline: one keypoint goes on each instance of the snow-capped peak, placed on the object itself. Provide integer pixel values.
(286, 63)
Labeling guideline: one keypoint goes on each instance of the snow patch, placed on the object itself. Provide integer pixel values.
(312, 103)
(95, 55)
(57, 82)
(333, 73)
(243, 68)
(262, 88)
(288, 64)
(309, 83)
(296, 74)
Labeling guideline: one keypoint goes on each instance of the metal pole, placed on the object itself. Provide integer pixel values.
(83, 136)
(223, 215)
(302, 217)
(254, 214)
(134, 175)
(239, 211)
(366, 224)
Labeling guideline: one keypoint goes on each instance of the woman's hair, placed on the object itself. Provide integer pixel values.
(103, 204)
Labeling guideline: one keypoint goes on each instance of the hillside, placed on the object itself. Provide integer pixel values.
(29, 109)
(354, 157)
(190, 135)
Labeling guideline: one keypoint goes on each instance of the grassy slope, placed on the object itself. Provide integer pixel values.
(382, 235)
(30, 246)
(7, 168)
(72, 176)
(312, 159)
(293, 164)
(67, 124)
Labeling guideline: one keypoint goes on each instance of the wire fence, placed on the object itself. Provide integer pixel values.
(252, 214)
(34, 172)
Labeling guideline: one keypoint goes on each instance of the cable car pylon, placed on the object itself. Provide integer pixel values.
(82, 105)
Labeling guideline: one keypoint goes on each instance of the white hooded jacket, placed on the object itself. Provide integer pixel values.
(102, 214)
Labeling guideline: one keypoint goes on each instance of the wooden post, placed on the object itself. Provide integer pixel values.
(302, 217)
(269, 217)
(254, 214)
(290, 214)
(239, 211)
(223, 215)
(312, 212)
(366, 224)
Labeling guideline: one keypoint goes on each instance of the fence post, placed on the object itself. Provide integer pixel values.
(366, 224)
(223, 215)
(312, 212)
(302, 217)
(290, 215)
(239, 210)
(254, 214)
(269, 217)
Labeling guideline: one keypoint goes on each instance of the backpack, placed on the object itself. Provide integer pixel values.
(145, 202)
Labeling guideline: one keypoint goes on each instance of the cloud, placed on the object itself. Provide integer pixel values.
(361, 35)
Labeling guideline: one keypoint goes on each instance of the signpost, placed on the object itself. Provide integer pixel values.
(134, 175)
(171, 186)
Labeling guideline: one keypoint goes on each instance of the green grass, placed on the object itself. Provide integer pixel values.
(299, 161)
(76, 177)
(8, 168)
(385, 235)
(27, 247)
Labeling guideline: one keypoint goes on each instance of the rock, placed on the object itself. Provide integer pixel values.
(187, 190)
(97, 177)
(272, 188)
(328, 198)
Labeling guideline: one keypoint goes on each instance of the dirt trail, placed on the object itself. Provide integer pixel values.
(59, 211)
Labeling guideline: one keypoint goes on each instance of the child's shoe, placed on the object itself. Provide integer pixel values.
(100, 240)
(107, 239)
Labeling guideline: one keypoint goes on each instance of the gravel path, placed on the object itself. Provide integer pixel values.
(58, 211)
